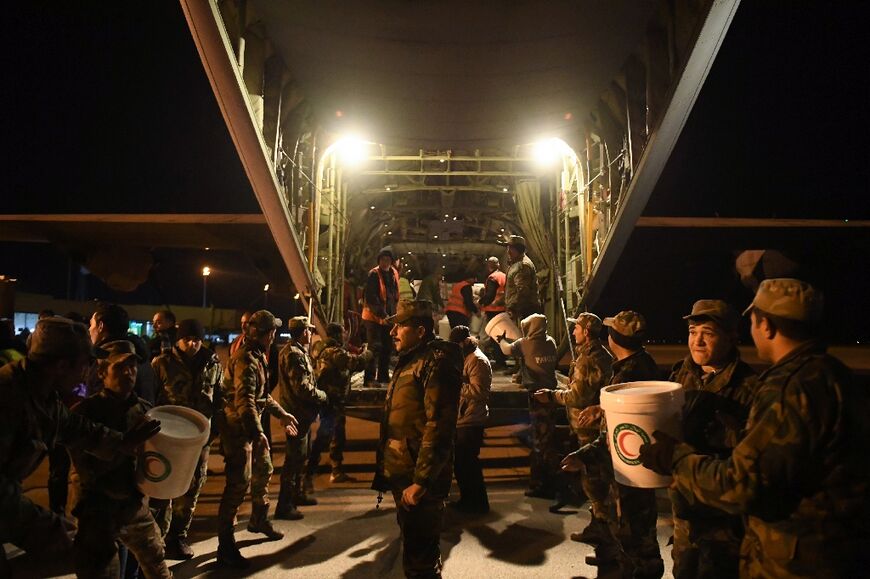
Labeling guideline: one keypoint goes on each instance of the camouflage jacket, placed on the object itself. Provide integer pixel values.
(714, 418)
(246, 391)
(114, 478)
(637, 367)
(29, 428)
(800, 473)
(590, 371)
(333, 366)
(417, 432)
(521, 286)
(193, 383)
(297, 387)
(717, 405)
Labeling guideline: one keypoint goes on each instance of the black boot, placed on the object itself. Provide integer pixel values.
(228, 554)
(286, 510)
(301, 498)
(260, 523)
(596, 532)
(177, 548)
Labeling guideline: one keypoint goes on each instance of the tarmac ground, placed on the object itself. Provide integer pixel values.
(346, 536)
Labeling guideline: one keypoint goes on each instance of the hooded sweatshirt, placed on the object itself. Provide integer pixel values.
(537, 353)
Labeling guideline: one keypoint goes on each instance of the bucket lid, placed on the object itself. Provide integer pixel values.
(180, 423)
(645, 392)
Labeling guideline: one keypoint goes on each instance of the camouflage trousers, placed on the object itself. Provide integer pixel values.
(543, 460)
(596, 480)
(331, 434)
(101, 523)
(245, 463)
(707, 548)
(420, 528)
(295, 457)
(175, 516)
(637, 530)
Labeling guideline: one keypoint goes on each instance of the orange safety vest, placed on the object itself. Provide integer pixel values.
(367, 313)
(456, 303)
(497, 303)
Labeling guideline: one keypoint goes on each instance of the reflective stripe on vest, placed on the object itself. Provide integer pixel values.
(456, 303)
(497, 304)
(367, 313)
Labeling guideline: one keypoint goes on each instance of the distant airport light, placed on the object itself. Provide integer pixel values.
(206, 271)
(266, 288)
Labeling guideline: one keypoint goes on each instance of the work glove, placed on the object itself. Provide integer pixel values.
(659, 456)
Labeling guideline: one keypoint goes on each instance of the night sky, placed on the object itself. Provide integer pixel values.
(108, 110)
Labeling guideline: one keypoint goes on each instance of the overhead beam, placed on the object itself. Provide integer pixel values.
(217, 55)
(149, 218)
(661, 143)
(747, 222)
(412, 188)
(454, 173)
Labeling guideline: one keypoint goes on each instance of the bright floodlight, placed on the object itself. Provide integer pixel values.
(547, 152)
(206, 271)
(351, 150)
(266, 288)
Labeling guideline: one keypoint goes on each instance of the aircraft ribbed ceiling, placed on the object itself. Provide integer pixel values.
(454, 74)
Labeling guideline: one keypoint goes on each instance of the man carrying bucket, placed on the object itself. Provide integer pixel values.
(800, 475)
(719, 388)
(33, 420)
(536, 351)
(491, 303)
(300, 395)
(635, 528)
(188, 375)
(110, 507)
(246, 448)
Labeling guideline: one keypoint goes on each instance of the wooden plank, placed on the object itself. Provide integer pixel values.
(747, 222)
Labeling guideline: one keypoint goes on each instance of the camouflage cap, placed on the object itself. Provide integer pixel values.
(57, 338)
(264, 321)
(788, 298)
(628, 323)
(299, 322)
(120, 350)
(408, 309)
(717, 310)
(516, 241)
(588, 321)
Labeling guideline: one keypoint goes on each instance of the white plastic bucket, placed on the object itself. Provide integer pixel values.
(634, 410)
(169, 458)
(503, 324)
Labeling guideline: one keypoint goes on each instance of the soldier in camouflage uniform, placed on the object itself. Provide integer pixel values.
(536, 351)
(188, 375)
(800, 474)
(110, 507)
(298, 394)
(636, 548)
(333, 366)
(590, 371)
(246, 448)
(521, 285)
(33, 420)
(718, 389)
(415, 452)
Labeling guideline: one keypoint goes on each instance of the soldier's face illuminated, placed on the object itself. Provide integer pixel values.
(406, 338)
(581, 336)
(758, 329)
(160, 323)
(189, 345)
(709, 345)
(120, 377)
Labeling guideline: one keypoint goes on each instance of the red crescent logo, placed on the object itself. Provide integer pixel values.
(621, 441)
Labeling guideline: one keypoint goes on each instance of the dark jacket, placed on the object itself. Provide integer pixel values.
(297, 388)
